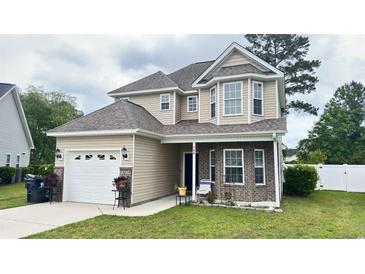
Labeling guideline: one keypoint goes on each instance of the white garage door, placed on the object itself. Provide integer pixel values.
(89, 176)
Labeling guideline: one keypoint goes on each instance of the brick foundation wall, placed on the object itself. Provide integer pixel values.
(249, 192)
(127, 172)
(60, 172)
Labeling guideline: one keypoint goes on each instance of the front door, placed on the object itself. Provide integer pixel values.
(188, 172)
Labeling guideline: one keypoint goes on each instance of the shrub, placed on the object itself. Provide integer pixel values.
(27, 170)
(300, 180)
(7, 173)
(45, 169)
(211, 197)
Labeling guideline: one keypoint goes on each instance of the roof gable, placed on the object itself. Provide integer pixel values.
(5, 90)
(236, 55)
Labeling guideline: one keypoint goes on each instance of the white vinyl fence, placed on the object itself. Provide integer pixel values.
(349, 178)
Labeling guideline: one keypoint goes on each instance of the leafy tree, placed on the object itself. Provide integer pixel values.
(316, 157)
(340, 131)
(287, 52)
(46, 110)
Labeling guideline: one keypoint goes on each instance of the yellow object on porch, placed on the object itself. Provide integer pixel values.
(182, 191)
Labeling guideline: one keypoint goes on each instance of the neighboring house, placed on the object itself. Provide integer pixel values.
(218, 120)
(291, 155)
(15, 138)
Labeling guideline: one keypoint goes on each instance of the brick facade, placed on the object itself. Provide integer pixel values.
(60, 172)
(249, 192)
(127, 172)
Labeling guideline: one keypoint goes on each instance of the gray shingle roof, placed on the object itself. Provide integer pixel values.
(194, 127)
(154, 81)
(186, 76)
(234, 70)
(124, 115)
(4, 88)
(117, 116)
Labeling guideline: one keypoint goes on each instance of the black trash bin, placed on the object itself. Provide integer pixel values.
(35, 191)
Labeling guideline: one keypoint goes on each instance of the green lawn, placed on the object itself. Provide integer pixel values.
(12, 195)
(324, 214)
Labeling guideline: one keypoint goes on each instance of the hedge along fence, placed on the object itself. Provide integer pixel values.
(300, 180)
(6, 174)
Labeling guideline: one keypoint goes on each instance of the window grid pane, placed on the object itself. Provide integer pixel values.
(232, 99)
(259, 175)
(192, 103)
(165, 102)
(233, 166)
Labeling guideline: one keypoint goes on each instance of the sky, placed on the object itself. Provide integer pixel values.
(88, 66)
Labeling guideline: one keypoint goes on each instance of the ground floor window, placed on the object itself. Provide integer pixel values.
(212, 164)
(259, 167)
(233, 166)
(8, 159)
(18, 161)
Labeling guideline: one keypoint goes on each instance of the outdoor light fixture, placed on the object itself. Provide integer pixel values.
(58, 154)
(124, 153)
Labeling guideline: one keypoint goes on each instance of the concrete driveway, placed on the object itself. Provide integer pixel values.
(23, 221)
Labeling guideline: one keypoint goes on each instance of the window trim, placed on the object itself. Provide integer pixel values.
(196, 103)
(210, 164)
(263, 161)
(165, 94)
(8, 164)
(224, 99)
(243, 165)
(253, 98)
(211, 103)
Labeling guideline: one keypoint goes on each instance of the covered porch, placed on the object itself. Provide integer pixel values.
(248, 170)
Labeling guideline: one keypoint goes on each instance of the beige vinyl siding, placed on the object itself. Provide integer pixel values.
(178, 108)
(151, 102)
(269, 102)
(97, 142)
(156, 169)
(236, 58)
(205, 107)
(236, 119)
(185, 115)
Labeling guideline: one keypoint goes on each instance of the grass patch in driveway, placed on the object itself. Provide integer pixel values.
(325, 214)
(13, 195)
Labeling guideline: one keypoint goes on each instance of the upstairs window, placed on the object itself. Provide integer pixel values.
(212, 102)
(258, 98)
(232, 98)
(8, 159)
(165, 102)
(259, 167)
(192, 103)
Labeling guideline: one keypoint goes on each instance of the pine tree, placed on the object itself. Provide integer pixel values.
(287, 52)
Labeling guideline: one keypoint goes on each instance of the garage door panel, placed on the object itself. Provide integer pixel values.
(91, 180)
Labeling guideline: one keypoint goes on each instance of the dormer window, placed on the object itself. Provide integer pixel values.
(192, 103)
(258, 98)
(165, 102)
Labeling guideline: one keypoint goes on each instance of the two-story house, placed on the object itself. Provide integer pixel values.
(219, 120)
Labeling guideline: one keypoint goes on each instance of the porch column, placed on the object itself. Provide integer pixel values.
(194, 170)
(276, 170)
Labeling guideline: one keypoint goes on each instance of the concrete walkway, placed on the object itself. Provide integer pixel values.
(23, 221)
